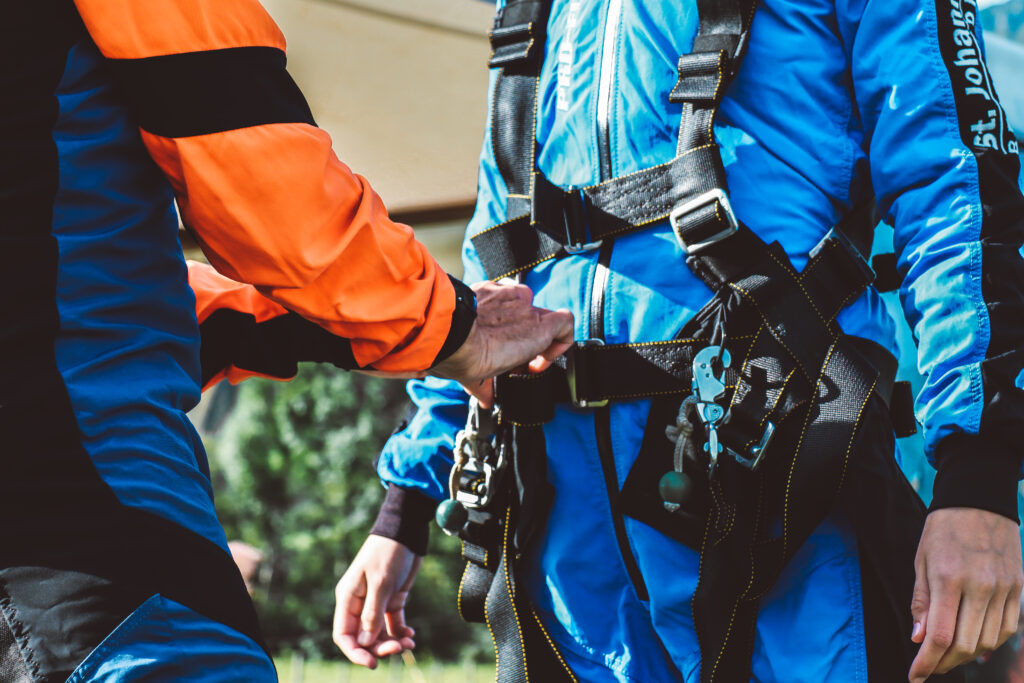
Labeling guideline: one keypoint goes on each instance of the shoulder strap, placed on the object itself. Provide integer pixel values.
(547, 221)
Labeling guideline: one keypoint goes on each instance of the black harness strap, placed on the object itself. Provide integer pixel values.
(517, 47)
(797, 372)
(492, 542)
(493, 538)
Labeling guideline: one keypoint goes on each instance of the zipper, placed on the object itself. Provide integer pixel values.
(604, 88)
(603, 428)
(602, 415)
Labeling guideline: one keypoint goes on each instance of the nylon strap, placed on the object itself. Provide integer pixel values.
(547, 222)
(808, 482)
(490, 591)
(795, 357)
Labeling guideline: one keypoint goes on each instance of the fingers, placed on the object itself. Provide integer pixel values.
(483, 391)
(939, 630)
(561, 327)
(372, 619)
(349, 596)
(970, 620)
(991, 635)
(1011, 615)
(919, 605)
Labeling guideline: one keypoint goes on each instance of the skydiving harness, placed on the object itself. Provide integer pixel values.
(764, 411)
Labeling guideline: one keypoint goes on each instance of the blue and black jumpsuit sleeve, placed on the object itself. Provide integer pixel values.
(945, 171)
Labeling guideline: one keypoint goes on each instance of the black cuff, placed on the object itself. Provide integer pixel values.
(405, 517)
(975, 473)
(462, 320)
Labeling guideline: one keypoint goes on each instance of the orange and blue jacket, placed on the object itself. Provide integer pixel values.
(111, 111)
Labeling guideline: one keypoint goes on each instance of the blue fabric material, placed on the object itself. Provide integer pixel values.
(165, 641)
(825, 85)
(128, 346)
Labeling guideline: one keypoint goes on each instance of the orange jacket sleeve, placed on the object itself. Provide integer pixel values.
(259, 184)
(244, 334)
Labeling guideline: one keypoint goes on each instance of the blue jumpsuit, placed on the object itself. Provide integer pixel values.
(835, 99)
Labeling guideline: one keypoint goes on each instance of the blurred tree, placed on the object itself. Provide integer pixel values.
(293, 476)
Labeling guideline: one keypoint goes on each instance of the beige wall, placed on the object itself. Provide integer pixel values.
(401, 87)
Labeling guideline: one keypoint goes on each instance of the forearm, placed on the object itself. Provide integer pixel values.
(259, 184)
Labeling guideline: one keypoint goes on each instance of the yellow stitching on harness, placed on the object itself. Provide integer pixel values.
(458, 596)
(799, 445)
(792, 274)
(781, 343)
(650, 169)
(730, 514)
(747, 359)
(750, 584)
(554, 648)
(849, 446)
(526, 267)
(500, 225)
(511, 593)
(700, 566)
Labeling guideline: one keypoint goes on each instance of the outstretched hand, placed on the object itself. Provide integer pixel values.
(967, 595)
(509, 332)
(369, 614)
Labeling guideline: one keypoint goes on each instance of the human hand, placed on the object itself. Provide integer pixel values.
(509, 332)
(967, 594)
(369, 613)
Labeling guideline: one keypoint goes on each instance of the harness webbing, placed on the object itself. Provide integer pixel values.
(798, 375)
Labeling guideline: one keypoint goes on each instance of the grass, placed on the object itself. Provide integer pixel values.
(393, 670)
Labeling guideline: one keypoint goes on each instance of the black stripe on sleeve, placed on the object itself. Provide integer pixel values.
(197, 93)
(980, 470)
(273, 347)
(463, 318)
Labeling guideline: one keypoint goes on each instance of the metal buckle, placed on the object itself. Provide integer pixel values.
(476, 484)
(572, 247)
(757, 452)
(572, 371)
(709, 197)
(478, 464)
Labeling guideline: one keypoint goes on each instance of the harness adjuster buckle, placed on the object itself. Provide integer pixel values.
(478, 463)
(752, 461)
(707, 199)
(574, 214)
(575, 370)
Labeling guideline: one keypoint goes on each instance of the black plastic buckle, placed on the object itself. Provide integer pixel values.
(757, 452)
(707, 199)
(576, 374)
(574, 217)
(562, 214)
(512, 44)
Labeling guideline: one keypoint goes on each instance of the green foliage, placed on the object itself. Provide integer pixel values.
(293, 476)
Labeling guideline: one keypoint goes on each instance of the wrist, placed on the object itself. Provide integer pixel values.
(405, 517)
(463, 318)
(974, 473)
